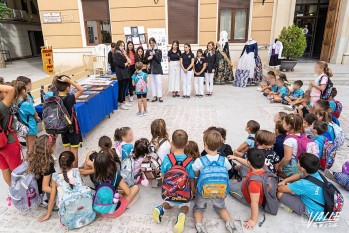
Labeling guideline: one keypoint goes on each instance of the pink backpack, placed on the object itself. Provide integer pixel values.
(141, 85)
(305, 145)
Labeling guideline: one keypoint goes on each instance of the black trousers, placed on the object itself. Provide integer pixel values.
(130, 88)
(122, 90)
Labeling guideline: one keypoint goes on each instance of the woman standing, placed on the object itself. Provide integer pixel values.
(131, 53)
(153, 57)
(210, 56)
(140, 57)
(122, 72)
(174, 73)
(187, 63)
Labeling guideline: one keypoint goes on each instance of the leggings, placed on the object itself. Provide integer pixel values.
(122, 89)
(129, 87)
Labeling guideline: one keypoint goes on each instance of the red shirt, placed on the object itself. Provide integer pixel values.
(253, 187)
(132, 58)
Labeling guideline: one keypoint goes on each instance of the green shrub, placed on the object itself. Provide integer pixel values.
(294, 42)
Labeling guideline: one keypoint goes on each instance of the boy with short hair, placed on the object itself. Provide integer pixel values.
(140, 81)
(300, 194)
(251, 128)
(308, 120)
(212, 141)
(318, 129)
(71, 139)
(250, 193)
(296, 95)
(178, 144)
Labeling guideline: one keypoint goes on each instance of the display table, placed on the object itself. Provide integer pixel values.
(91, 113)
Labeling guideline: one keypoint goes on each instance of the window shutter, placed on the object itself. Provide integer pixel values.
(183, 21)
(95, 10)
(237, 4)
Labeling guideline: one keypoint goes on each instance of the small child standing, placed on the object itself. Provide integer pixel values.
(199, 73)
(212, 141)
(179, 142)
(140, 81)
(251, 128)
(123, 139)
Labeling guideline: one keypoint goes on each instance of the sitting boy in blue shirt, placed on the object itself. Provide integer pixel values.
(296, 95)
(319, 128)
(301, 195)
(281, 93)
(178, 144)
(251, 128)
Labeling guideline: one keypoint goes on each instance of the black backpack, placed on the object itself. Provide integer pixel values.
(334, 200)
(55, 116)
(325, 95)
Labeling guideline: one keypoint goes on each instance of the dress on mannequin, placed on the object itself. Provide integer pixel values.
(275, 53)
(224, 71)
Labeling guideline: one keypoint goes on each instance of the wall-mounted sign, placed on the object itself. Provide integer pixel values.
(52, 17)
(47, 59)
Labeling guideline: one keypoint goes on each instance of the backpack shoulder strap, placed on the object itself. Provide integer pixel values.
(221, 160)
(186, 162)
(115, 179)
(162, 142)
(172, 158)
(20, 103)
(204, 160)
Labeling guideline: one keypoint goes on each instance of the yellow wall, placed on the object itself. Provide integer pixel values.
(136, 13)
(66, 34)
(207, 21)
(262, 21)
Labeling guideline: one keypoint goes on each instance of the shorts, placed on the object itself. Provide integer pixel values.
(294, 202)
(119, 211)
(140, 96)
(236, 191)
(10, 156)
(71, 139)
(180, 205)
(201, 204)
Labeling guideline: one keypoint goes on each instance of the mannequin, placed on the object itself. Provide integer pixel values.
(275, 53)
(224, 71)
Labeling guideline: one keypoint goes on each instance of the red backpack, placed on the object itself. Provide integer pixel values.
(176, 184)
(339, 107)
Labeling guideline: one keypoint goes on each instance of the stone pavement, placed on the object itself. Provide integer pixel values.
(230, 108)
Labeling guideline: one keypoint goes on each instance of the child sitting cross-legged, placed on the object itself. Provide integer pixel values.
(251, 128)
(207, 191)
(296, 95)
(178, 181)
(299, 193)
(123, 142)
(271, 87)
(281, 93)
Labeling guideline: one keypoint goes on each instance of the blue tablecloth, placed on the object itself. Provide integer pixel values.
(89, 114)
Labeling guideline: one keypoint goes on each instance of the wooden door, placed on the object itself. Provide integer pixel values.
(330, 30)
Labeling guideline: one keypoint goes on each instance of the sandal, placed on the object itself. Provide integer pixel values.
(174, 95)
(155, 99)
(160, 100)
(177, 94)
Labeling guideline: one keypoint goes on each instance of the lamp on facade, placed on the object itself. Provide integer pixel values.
(156, 1)
(263, 2)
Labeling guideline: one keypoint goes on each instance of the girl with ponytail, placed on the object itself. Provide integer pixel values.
(324, 73)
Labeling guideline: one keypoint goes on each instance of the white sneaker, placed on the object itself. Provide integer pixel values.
(145, 113)
(123, 107)
(131, 98)
(128, 105)
(200, 228)
(139, 114)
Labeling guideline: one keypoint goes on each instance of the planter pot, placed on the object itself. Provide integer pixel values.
(288, 65)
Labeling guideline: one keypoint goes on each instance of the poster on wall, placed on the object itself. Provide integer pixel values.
(47, 59)
(137, 35)
(160, 36)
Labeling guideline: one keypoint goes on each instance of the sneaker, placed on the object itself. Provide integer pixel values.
(289, 108)
(131, 99)
(285, 102)
(179, 226)
(188, 97)
(123, 107)
(200, 96)
(139, 114)
(183, 97)
(158, 212)
(200, 228)
(145, 113)
(265, 94)
(128, 105)
(230, 226)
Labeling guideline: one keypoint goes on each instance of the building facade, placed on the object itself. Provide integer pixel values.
(76, 26)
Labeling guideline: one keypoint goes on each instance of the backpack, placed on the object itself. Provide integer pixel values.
(24, 191)
(345, 168)
(151, 166)
(176, 183)
(339, 135)
(127, 170)
(342, 179)
(75, 205)
(21, 127)
(334, 200)
(5, 132)
(269, 183)
(103, 200)
(121, 153)
(141, 85)
(339, 107)
(328, 155)
(325, 95)
(55, 116)
(305, 144)
(213, 179)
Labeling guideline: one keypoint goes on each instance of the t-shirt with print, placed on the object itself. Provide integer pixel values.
(26, 113)
(271, 158)
(251, 141)
(324, 80)
(166, 165)
(298, 93)
(283, 91)
(253, 187)
(292, 142)
(186, 59)
(5, 116)
(198, 166)
(136, 78)
(274, 88)
(48, 173)
(309, 192)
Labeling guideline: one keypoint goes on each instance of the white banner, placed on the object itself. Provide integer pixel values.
(160, 36)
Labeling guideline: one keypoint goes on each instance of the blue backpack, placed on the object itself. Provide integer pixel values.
(213, 178)
(103, 201)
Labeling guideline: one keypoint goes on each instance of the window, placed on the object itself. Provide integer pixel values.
(183, 21)
(233, 18)
(97, 21)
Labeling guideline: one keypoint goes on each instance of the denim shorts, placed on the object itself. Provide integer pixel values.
(201, 204)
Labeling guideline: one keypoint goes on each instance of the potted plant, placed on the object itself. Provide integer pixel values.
(294, 44)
